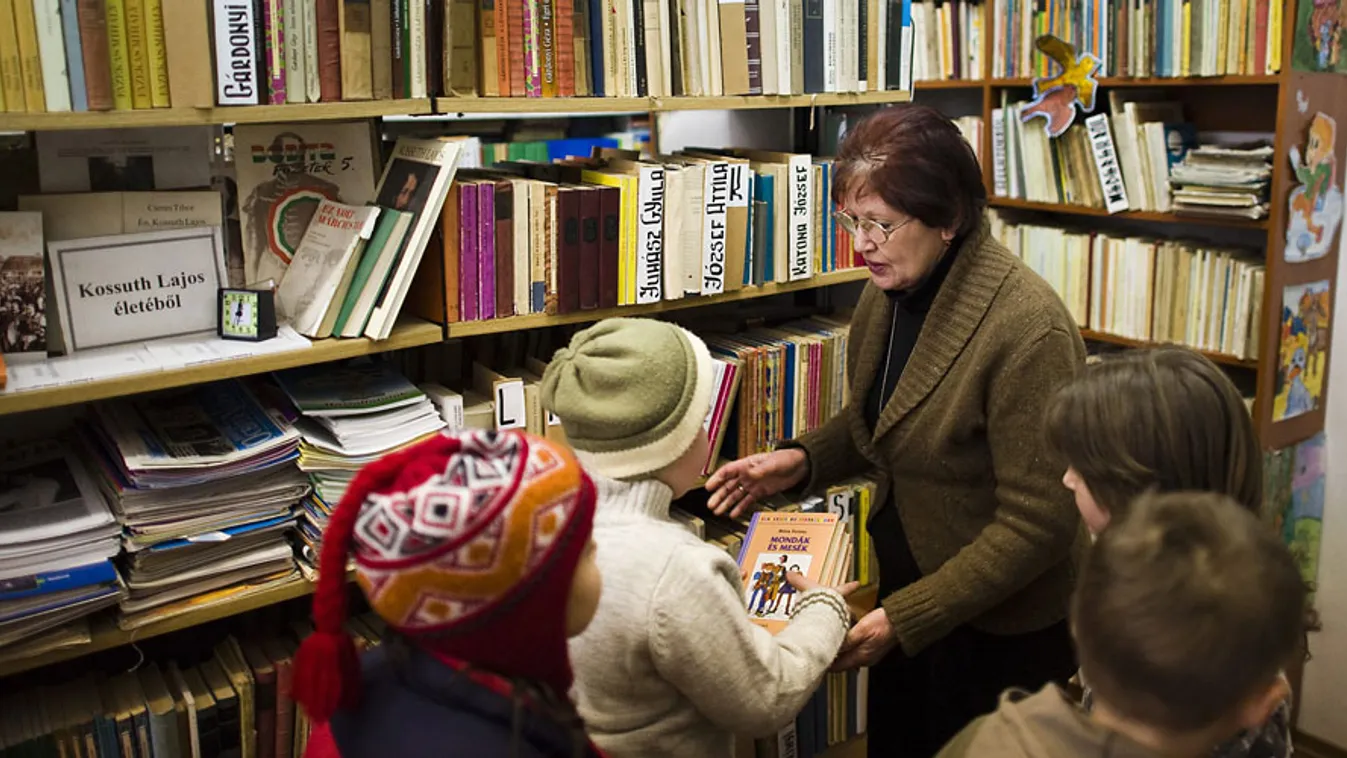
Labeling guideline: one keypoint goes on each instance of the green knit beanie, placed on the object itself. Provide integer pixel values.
(631, 394)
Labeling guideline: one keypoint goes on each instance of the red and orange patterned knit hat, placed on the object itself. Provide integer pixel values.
(466, 544)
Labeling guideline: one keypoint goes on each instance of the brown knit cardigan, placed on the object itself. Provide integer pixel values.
(961, 442)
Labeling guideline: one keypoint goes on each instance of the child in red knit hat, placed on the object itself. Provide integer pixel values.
(475, 548)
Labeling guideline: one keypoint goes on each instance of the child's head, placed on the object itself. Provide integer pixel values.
(633, 395)
(1185, 612)
(472, 545)
(1165, 419)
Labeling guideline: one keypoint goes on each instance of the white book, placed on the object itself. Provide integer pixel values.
(881, 73)
(768, 44)
(650, 188)
(51, 50)
(830, 52)
(296, 78)
(416, 178)
(716, 195)
(417, 21)
(676, 219)
(236, 41)
(313, 84)
(312, 285)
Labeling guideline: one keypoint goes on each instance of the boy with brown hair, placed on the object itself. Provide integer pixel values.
(1185, 613)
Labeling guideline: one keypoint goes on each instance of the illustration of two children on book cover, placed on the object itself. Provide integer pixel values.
(769, 594)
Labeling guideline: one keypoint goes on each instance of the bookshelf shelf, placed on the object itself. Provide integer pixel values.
(408, 333)
(1113, 339)
(106, 635)
(249, 114)
(517, 105)
(539, 321)
(1163, 218)
(1269, 80)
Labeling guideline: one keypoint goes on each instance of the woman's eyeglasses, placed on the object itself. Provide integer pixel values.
(877, 232)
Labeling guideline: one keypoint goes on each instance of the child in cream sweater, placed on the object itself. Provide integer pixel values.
(671, 664)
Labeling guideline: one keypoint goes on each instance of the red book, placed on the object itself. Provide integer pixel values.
(610, 208)
(590, 225)
(512, 49)
(564, 19)
(486, 249)
(504, 249)
(93, 25)
(329, 51)
(468, 292)
(568, 249)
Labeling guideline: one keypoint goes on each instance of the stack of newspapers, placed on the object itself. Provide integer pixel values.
(204, 483)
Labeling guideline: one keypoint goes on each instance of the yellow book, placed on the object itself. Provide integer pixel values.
(1186, 55)
(157, 51)
(11, 69)
(1274, 38)
(30, 58)
(138, 53)
(119, 52)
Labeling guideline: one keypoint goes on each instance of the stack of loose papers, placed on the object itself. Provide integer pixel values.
(1223, 181)
(204, 482)
(57, 539)
(353, 414)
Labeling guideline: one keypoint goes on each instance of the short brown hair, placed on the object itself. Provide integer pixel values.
(915, 160)
(1185, 609)
(1165, 418)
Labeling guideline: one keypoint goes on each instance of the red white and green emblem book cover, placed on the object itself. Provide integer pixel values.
(778, 543)
(284, 171)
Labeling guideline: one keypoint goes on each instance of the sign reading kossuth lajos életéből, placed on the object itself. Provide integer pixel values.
(136, 287)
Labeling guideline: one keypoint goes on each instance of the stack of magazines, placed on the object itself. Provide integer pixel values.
(352, 415)
(203, 480)
(1223, 181)
(57, 539)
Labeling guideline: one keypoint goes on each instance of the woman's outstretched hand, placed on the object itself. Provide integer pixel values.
(737, 486)
(868, 641)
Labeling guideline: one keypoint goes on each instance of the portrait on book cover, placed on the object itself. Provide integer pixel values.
(1314, 208)
(1303, 355)
(1318, 36)
(768, 594)
(407, 184)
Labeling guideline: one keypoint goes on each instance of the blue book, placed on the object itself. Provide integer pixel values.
(597, 10)
(74, 56)
(47, 582)
(763, 190)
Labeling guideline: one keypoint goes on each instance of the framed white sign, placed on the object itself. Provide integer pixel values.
(137, 287)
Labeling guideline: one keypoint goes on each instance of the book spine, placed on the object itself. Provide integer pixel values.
(51, 43)
(504, 252)
(138, 53)
(296, 82)
(532, 79)
(398, 30)
(328, 21)
(590, 222)
(313, 86)
(610, 252)
(490, 31)
(119, 55)
(753, 36)
(30, 57)
(564, 18)
(273, 35)
(93, 33)
(235, 53)
(638, 65)
(486, 250)
(715, 220)
(11, 66)
(568, 251)
(417, 49)
(650, 231)
(381, 48)
(156, 47)
(356, 78)
(468, 274)
(547, 48)
(74, 52)
(511, 46)
(597, 65)
(815, 80)
(584, 85)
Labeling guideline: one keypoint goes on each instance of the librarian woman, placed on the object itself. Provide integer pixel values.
(955, 349)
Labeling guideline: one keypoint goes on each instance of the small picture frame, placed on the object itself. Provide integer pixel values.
(247, 315)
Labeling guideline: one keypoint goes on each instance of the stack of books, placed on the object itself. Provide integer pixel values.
(57, 539)
(1223, 181)
(204, 483)
(352, 415)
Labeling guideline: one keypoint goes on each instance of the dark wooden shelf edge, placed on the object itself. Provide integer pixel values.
(1009, 203)
(1091, 335)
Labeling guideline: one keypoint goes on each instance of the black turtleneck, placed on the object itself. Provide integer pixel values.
(898, 567)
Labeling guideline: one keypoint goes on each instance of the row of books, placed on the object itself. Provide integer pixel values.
(615, 230)
(1165, 38)
(1146, 289)
(1140, 156)
(234, 699)
(64, 55)
(288, 51)
(950, 40)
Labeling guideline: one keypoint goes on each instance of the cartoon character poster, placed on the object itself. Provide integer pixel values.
(1318, 36)
(1303, 355)
(1055, 97)
(768, 593)
(1303, 524)
(1315, 205)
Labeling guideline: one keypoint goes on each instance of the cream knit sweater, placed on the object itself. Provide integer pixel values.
(671, 665)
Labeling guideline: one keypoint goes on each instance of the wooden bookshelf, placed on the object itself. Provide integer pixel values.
(1268, 80)
(248, 114)
(409, 332)
(106, 635)
(540, 320)
(1221, 358)
(1150, 216)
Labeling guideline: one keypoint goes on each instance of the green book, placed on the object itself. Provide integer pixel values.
(388, 221)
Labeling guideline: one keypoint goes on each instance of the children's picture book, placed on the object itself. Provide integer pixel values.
(1318, 36)
(284, 172)
(1303, 526)
(778, 543)
(1303, 355)
(23, 321)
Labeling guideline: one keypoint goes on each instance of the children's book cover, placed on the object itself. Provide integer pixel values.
(1314, 208)
(1303, 355)
(1303, 524)
(1318, 36)
(778, 543)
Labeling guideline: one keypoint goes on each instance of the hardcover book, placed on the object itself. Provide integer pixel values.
(778, 543)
